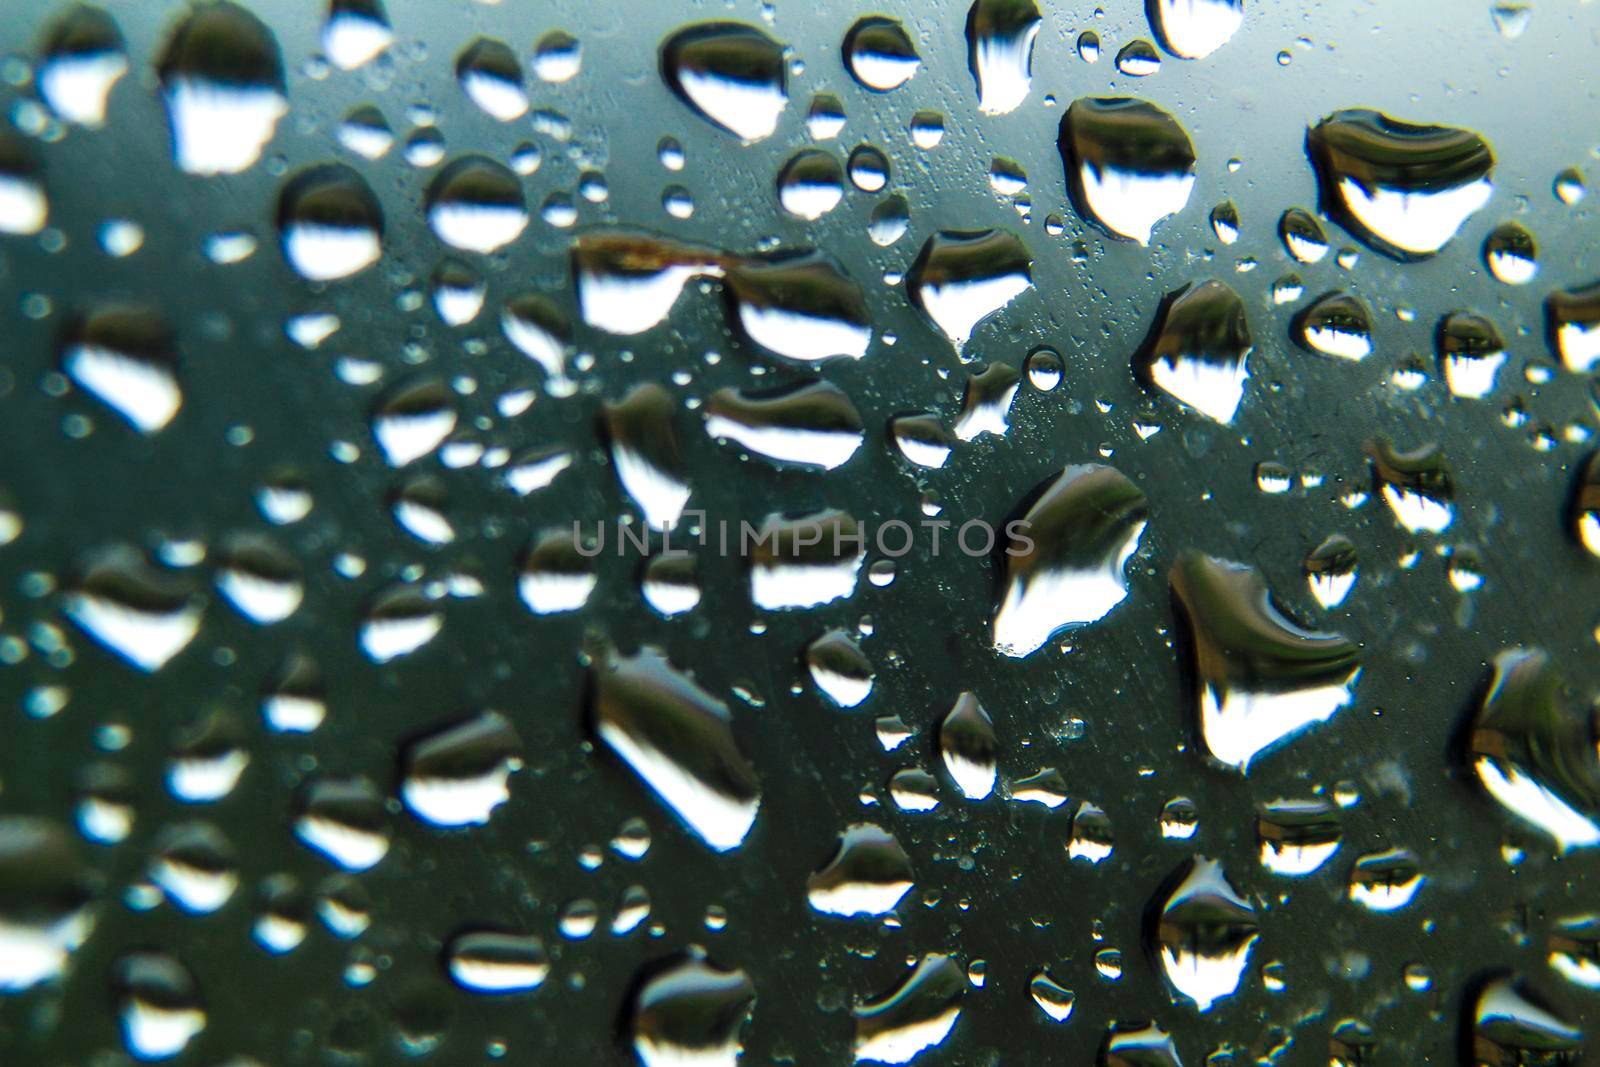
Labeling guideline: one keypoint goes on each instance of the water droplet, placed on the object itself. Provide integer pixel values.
(1335, 324)
(1129, 164)
(492, 78)
(1404, 189)
(986, 403)
(868, 874)
(1053, 998)
(868, 168)
(1511, 18)
(1000, 36)
(1386, 880)
(1471, 352)
(677, 738)
(365, 132)
(1417, 485)
(670, 584)
(1138, 59)
(687, 1011)
(132, 609)
(414, 420)
(1138, 1044)
(840, 669)
(1513, 1024)
(1569, 186)
(1331, 570)
(83, 56)
(456, 775)
(917, 1014)
(1225, 222)
(927, 130)
(961, 278)
(967, 746)
(731, 74)
(558, 57)
(1197, 351)
(295, 700)
(1303, 236)
(158, 1005)
(1046, 787)
(1089, 46)
(399, 621)
(1193, 29)
(922, 438)
(1297, 836)
(344, 820)
(1204, 932)
(646, 454)
(811, 184)
(476, 205)
(330, 223)
(496, 961)
(879, 54)
(1511, 253)
(825, 119)
(1532, 749)
(802, 561)
(222, 79)
(1065, 559)
(1091, 839)
(1261, 679)
(125, 355)
(799, 306)
(1180, 819)
(1572, 317)
(46, 909)
(1574, 950)
(557, 573)
(356, 32)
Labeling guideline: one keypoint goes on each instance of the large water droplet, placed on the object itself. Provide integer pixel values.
(1064, 563)
(1204, 932)
(1297, 836)
(125, 356)
(496, 961)
(491, 77)
(1417, 485)
(1471, 351)
(45, 901)
(879, 54)
(810, 425)
(1193, 29)
(1138, 1044)
(1404, 189)
(222, 79)
(83, 56)
(24, 208)
(129, 607)
(1053, 998)
(732, 74)
(557, 573)
(1129, 164)
(961, 278)
(259, 577)
(1386, 880)
(1511, 253)
(158, 1005)
(1302, 235)
(1198, 349)
(476, 205)
(400, 620)
(1336, 324)
(917, 1014)
(1511, 1024)
(840, 669)
(1260, 678)
(1000, 36)
(799, 305)
(679, 739)
(356, 32)
(811, 184)
(687, 1011)
(646, 454)
(867, 875)
(968, 747)
(803, 561)
(457, 775)
(330, 223)
(627, 283)
(413, 420)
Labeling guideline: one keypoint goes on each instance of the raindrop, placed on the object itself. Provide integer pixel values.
(1089, 46)
(330, 223)
(670, 585)
(1180, 819)
(927, 129)
(1569, 186)
(399, 621)
(1193, 29)
(1091, 838)
(1511, 18)
(295, 700)
(1512, 1024)
(1331, 571)
(1053, 998)
(1404, 189)
(1572, 317)
(125, 356)
(456, 775)
(868, 874)
(344, 820)
(1303, 236)
(1204, 932)
(458, 292)
(1574, 950)
(825, 119)
(24, 208)
(731, 74)
(222, 80)
(557, 573)
(811, 184)
(628, 283)
(917, 1014)
(1471, 352)
(879, 54)
(83, 56)
(414, 420)
(868, 168)
(208, 760)
(1417, 485)
(132, 609)
(492, 78)
(646, 454)
(890, 219)
(1138, 59)
(914, 789)
(496, 961)
(365, 132)
(557, 57)
(1297, 836)
(687, 1011)
(987, 402)
(158, 1005)
(1000, 37)
(1386, 880)
(1044, 369)
(961, 278)
(798, 305)
(1047, 787)
(1335, 324)
(1198, 349)
(539, 329)
(46, 908)
(968, 748)
(1511, 254)
(476, 205)
(1129, 164)
(840, 669)
(812, 425)
(1261, 679)
(1225, 222)
(356, 32)
(802, 561)
(922, 438)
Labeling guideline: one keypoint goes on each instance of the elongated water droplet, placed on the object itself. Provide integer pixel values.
(1386, 880)
(1064, 562)
(879, 54)
(1046, 787)
(1129, 164)
(1193, 29)
(867, 875)
(1404, 189)
(646, 454)
(1198, 350)
(812, 425)
(1204, 932)
(1336, 324)
(1511, 253)
(83, 56)
(1138, 1044)
(1052, 998)
(961, 278)
(496, 961)
(1000, 36)
(1260, 678)
(1512, 1024)
(922, 438)
(491, 77)
(1225, 222)
(125, 355)
(678, 739)
(687, 1011)
(1572, 317)
(811, 184)
(1417, 485)
(1574, 950)
(132, 609)
(840, 669)
(222, 80)
(1138, 59)
(917, 1014)
(731, 74)
(1303, 236)
(627, 283)
(1471, 352)
(476, 205)
(1331, 570)
(330, 223)
(457, 775)
(1297, 836)
(968, 747)
(799, 306)
(1091, 838)
(805, 560)
(1534, 751)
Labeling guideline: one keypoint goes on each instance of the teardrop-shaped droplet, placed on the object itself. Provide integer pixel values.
(1091, 838)
(344, 820)
(496, 961)
(159, 1008)
(733, 75)
(986, 402)
(968, 747)
(1511, 253)
(868, 874)
(1204, 932)
(1331, 570)
(1511, 1024)
(961, 278)
(1198, 350)
(809, 425)
(1129, 164)
(222, 80)
(330, 223)
(1297, 836)
(1404, 189)
(457, 775)
(1193, 29)
(799, 306)
(1046, 787)
(840, 669)
(557, 573)
(1225, 222)
(1574, 950)
(1336, 324)
(689, 1010)
(917, 1014)
(811, 184)
(46, 901)
(491, 77)
(1533, 749)
(806, 560)
(476, 205)
(879, 54)
(1000, 36)
(1260, 679)
(1572, 317)
(414, 420)
(132, 609)
(125, 356)
(1471, 352)
(1066, 554)
(356, 32)
(82, 56)
(1417, 485)
(646, 454)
